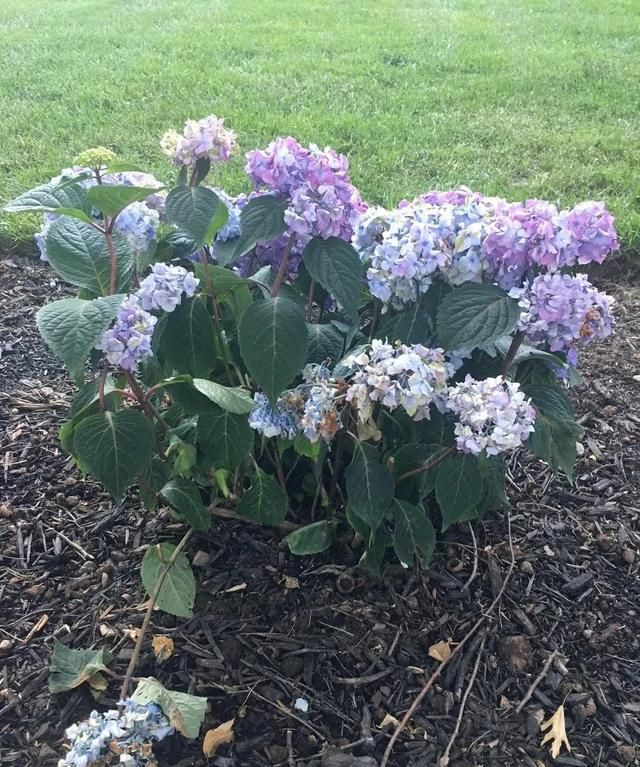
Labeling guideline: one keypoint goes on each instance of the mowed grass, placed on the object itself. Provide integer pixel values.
(521, 98)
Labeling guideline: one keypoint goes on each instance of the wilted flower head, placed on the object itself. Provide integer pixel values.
(164, 287)
(97, 157)
(281, 420)
(493, 415)
(201, 139)
(127, 342)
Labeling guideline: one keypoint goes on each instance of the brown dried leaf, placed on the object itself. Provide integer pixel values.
(440, 651)
(557, 733)
(162, 647)
(290, 582)
(387, 721)
(217, 737)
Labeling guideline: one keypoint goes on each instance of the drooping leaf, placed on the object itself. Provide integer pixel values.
(474, 315)
(188, 338)
(334, 264)
(410, 326)
(217, 737)
(311, 539)
(230, 398)
(409, 457)
(325, 343)
(178, 591)
(273, 342)
(261, 219)
(71, 327)
(112, 199)
(185, 712)
(69, 668)
(225, 438)
(79, 253)
(63, 199)
(197, 211)
(114, 448)
(184, 496)
(413, 534)
(265, 501)
(370, 485)
(376, 545)
(458, 488)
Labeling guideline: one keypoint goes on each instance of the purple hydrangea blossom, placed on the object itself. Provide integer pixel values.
(493, 415)
(234, 205)
(564, 313)
(593, 234)
(127, 733)
(139, 224)
(127, 342)
(201, 139)
(283, 420)
(164, 288)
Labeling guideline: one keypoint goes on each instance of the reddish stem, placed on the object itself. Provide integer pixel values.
(282, 270)
(426, 466)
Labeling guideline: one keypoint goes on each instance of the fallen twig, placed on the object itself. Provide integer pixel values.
(537, 681)
(474, 570)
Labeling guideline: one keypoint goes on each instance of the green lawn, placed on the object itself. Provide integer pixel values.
(512, 97)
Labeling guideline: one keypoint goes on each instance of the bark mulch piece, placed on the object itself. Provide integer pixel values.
(272, 633)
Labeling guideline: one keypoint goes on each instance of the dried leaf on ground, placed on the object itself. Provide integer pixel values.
(162, 647)
(440, 651)
(557, 733)
(217, 737)
(388, 721)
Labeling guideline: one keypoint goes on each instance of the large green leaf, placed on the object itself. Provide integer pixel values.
(231, 398)
(556, 431)
(185, 712)
(325, 343)
(64, 199)
(458, 488)
(184, 496)
(112, 199)
(69, 668)
(475, 315)
(410, 457)
(219, 281)
(370, 485)
(114, 448)
(197, 211)
(413, 533)
(189, 340)
(334, 264)
(273, 342)
(376, 544)
(225, 438)
(311, 539)
(79, 253)
(410, 326)
(71, 327)
(178, 591)
(261, 219)
(265, 501)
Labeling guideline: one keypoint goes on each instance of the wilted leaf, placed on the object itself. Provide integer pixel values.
(388, 721)
(556, 732)
(217, 737)
(185, 712)
(162, 647)
(440, 651)
(69, 668)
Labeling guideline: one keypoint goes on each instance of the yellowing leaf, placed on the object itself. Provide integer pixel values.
(387, 721)
(97, 682)
(557, 733)
(162, 647)
(440, 651)
(217, 737)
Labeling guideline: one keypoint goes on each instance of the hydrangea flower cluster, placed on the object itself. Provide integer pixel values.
(126, 736)
(164, 288)
(281, 420)
(127, 342)
(412, 377)
(234, 205)
(139, 223)
(564, 312)
(200, 139)
(322, 200)
(493, 415)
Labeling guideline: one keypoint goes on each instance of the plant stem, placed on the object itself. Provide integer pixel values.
(336, 470)
(113, 275)
(148, 408)
(310, 300)
(147, 618)
(282, 269)
(374, 322)
(426, 466)
(513, 350)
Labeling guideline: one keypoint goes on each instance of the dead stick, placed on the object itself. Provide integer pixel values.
(536, 681)
(436, 674)
(147, 618)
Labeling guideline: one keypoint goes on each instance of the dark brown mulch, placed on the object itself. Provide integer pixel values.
(270, 628)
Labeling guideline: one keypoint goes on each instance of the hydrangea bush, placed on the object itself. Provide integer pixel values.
(293, 352)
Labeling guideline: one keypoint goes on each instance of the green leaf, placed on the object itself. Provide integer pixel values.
(225, 438)
(409, 457)
(311, 539)
(231, 398)
(197, 211)
(526, 352)
(264, 501)
(185, 498)
(223, 281)
(324, 343)
(114, 448)
(410, 326)
(494, 490)
(67, 199)
(78, 252)
(305, 447)
(413, 533)
(178, 590)
(69, 668)
(376, 545)
(556, 431)
(475, 315)
(224, 251)
(152, 479)
(185, 712)
(458, 488)
(370, 485)
(334, 264)
(189, 340)
(71, 327)
(273, 342)
(112, 199)
(261, 219)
